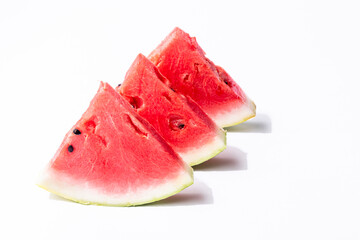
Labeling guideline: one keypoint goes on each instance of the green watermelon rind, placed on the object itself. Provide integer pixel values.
(211, 154)
(128, 204)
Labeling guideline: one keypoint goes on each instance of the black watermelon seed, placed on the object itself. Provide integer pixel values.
(172, 89)
(76, 131)
(181, 126)
(70, 148)
(226, 82)
(119, 85)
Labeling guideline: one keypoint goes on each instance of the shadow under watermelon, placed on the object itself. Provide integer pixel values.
(231, 159)
(197, 194)
(259, 124)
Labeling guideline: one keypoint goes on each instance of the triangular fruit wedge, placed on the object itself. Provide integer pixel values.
(112, 156)
(178, 119)
(180, 59)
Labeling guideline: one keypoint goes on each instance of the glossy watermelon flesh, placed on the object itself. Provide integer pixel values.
(178, 119)
(180, 59)
(117, 159)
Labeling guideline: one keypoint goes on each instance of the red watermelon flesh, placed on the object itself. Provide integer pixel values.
(178, 119)
(180, 59)
(112, 156)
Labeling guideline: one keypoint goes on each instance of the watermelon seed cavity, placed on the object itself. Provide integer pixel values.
(90, 126)
(186, 77)
(196, 67)
(136, 128)
(176, 122)
(167, 97)
(136, 102)
(161, 77)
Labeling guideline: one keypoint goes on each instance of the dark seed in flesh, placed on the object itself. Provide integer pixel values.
(76, 131)
(181, 126)
(70, 148)
(119, 85)
(172, 89)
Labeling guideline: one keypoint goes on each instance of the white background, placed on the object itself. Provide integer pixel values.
(293, 172)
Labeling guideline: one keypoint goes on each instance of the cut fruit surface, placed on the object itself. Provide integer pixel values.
(112, 156)
(181, 60)
(178, 119)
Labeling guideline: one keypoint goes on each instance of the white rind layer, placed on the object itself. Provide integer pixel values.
(82, 192)
(237, 115)
(207, 151)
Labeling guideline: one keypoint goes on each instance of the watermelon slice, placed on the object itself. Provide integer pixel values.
(112, 156)
(180, 59)
(178, 119)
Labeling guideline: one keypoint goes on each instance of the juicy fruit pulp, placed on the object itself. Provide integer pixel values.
(112, 156)
(178, 119)
(180, 59)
